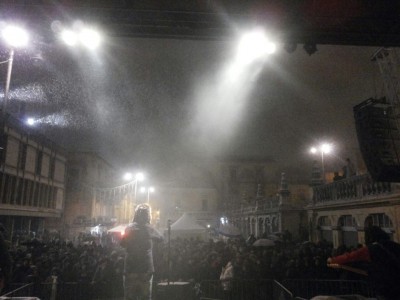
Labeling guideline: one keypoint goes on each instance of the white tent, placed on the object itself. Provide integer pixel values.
(187, 227)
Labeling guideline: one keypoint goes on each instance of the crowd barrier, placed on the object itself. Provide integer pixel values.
(293, 289)
(19, 291)
(240, 289)
(310, 288)
(179, 290)
(280, 292)
(257, 289)
(61, 291)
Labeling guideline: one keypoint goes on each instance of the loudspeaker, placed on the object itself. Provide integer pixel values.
(379, 139)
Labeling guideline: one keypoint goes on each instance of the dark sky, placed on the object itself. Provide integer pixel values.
(151, 103)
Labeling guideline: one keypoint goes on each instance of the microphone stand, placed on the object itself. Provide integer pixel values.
(169, 251)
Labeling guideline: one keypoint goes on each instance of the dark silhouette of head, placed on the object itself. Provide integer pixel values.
(375, 234)
(142, 214)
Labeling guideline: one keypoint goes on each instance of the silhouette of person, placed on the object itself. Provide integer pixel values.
(383, 257)
(5, 260)
(139, 267)
(349, 169)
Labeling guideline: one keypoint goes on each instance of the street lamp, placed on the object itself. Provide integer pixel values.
(134, 179)
(15, 37)
(86, 36)
(148, 190)
(324, 148)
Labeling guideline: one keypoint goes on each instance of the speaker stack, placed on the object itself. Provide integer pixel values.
(379, 139)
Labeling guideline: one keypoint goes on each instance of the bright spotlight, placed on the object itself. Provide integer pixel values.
(326, 148)
(69, 37)
(30, 121)
(139, 177)
(128, 176)
(323, 148)
(15, 36)
(90, 38)
(142, 189)
(151, 189)
(313, 150)
(255, 45)
(270, 48)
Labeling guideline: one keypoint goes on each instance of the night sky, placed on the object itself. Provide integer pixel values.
(152, 103)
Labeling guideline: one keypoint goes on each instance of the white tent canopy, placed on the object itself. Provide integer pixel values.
(187, 227)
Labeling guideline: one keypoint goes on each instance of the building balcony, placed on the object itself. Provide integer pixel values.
(360, 188)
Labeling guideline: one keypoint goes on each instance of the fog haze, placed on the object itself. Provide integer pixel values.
(152, 103)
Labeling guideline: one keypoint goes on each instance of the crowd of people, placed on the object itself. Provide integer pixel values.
(99, 270)
(127, 269)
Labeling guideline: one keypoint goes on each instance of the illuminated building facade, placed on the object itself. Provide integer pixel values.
(340, 211)
(32, 181)
(273, 215)
(85, 207)
(242, 181)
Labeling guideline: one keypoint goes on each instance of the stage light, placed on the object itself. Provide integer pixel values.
(310, 48)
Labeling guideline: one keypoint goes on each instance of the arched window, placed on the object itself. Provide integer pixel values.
(267, 224)
(347, 221)
(275, 224)
(381, 220)
(247, 226)
(348, 231)
(260, 226)
(253, 226)
(325, 228)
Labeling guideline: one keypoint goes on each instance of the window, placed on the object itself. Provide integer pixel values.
(39, 159)
(381, 220)
(52, 167)
(3, 147)
(23, 149)
(347, 221)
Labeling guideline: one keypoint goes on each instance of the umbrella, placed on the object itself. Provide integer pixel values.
(33, 242)
(264, 243)
(274, 237)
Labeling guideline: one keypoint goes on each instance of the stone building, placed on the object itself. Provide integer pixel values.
(200, 202)
(241, 181)
(89, 176)
(274, 215)
(245, 192)
(32, 180)
(340, 210)
(191, 189)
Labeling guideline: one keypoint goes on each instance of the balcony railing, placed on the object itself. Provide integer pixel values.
(354, 188)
